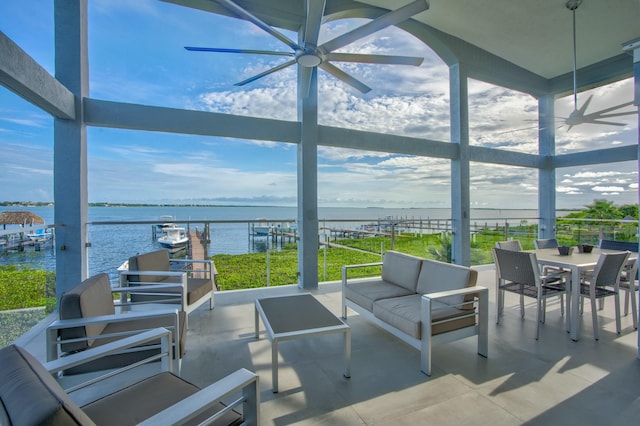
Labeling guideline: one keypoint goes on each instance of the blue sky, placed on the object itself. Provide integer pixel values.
(136, 55)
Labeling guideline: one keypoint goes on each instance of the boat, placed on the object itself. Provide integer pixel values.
(39, 235)
(174, 238)
(166, 221)
(261, 229)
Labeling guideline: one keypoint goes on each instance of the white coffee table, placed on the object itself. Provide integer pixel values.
(294, 317)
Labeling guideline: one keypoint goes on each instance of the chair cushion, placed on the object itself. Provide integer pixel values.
(439, 276)
(404, 313)
(92, 297)
(153, 261)
(365, 293)
(31, 396)
(144, 399)
(401, 269)
(197, 288)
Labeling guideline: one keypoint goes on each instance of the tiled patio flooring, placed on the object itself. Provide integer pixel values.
(546, 382)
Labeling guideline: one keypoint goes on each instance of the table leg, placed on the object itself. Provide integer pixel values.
(274, 364)
(574, 325)
(257, 321)
(347, 353)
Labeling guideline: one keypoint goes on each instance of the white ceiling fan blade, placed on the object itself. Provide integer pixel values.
(315, 12)
(374, 59)
(265, 73)
(259, 23)
(386, 20)
(305, 81)
(341, 75)
(251, 51)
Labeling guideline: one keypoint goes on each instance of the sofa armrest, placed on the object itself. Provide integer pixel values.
(346, 268)
(482, 324)
(240, 380)
(83, 357)
(52, 340)
(345, 277)
(457, 292)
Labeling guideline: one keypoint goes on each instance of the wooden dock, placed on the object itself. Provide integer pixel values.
(198, 249)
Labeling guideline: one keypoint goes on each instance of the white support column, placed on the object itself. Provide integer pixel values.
(308, 185)
(547, 174)
(634, 47)
(70, 146)
(460, 174)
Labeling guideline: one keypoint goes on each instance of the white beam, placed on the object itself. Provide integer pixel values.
(25, 77)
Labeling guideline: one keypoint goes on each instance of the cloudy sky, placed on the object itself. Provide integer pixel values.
(136, 55)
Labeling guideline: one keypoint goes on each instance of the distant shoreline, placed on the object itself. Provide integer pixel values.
(28, 204)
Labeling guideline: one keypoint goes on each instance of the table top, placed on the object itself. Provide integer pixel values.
(581, 260)
(286, 314)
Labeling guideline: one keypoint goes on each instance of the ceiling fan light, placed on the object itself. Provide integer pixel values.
(309, 60)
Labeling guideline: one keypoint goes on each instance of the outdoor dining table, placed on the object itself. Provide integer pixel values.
(577, 263)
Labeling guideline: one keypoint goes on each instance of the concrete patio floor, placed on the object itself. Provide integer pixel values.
(551, 381)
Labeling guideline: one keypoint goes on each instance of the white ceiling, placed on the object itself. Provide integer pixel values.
(535, 34)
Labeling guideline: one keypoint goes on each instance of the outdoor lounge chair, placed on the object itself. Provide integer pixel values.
(150, 279)
(89, 318)
(31, 395)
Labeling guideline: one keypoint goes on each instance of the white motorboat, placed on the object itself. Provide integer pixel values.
(174, 238)
(261, 229)
(40, 235)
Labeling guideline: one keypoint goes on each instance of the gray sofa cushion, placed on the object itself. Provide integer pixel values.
(31, 396)
(365, 293)
(439, 276)
(404, 314)
(401, 269)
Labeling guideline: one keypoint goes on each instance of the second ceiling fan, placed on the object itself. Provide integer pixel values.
(309, 55)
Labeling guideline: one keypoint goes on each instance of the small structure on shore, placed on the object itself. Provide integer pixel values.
(25, 231)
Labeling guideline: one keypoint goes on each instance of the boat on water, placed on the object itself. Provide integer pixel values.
(40, 235)
(261, 229)
(174, 238)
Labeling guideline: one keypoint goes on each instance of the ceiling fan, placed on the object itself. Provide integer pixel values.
(579, 115)
(308, 55)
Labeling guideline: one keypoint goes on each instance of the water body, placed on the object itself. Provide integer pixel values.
(111, 245)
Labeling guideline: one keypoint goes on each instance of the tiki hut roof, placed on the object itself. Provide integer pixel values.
(19, 218)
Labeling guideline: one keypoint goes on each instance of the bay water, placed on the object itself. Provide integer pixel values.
(113, 244)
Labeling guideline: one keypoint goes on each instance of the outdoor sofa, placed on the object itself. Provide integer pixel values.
(420, 301)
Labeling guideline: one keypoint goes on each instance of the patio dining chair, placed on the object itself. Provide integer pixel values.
(550, 274)
(629, 276)
(545, 243)
(603, 282)
(513, 245)
(518, 272)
